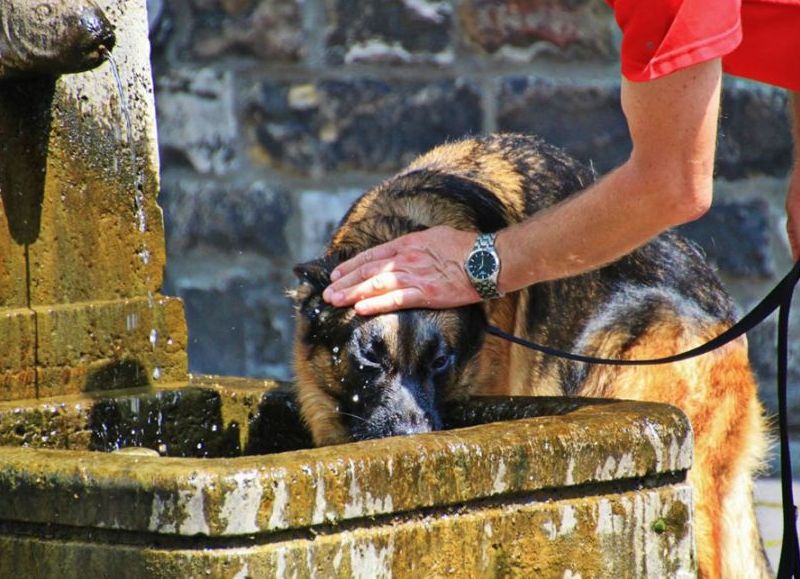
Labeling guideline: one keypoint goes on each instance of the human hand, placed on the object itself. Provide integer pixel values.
(419, 270)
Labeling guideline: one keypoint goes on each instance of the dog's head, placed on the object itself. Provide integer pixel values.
(370, 377)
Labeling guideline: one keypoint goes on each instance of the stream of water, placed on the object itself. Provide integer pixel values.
(138, 193)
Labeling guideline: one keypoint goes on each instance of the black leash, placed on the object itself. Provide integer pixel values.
(780, 298)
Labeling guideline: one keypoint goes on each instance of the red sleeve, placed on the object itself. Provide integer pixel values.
(662, 36)
(770, 49)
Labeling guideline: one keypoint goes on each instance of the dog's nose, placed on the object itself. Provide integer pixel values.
(410, 414)
(417, 422)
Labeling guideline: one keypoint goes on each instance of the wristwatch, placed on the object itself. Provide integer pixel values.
(483, 266)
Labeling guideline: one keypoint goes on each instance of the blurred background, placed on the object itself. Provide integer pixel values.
(274, 115)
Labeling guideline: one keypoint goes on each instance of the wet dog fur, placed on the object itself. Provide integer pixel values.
(360, 378)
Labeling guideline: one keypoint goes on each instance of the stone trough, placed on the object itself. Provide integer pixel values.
(114, 462)
(588, 488)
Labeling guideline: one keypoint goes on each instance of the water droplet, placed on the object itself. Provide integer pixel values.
(335, 349)
(355, 397)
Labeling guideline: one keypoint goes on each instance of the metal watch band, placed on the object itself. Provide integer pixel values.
(485, 241)
(487, 289)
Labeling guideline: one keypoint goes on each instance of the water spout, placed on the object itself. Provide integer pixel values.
(52, 37)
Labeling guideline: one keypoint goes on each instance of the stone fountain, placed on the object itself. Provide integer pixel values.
(115, 462)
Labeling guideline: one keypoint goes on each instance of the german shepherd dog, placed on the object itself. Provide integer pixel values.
(361, 378)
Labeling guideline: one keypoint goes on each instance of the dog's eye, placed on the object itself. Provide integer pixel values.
(371, 357)
(441, 363)
(373, 353)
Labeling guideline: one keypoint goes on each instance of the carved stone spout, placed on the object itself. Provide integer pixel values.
(52, 37)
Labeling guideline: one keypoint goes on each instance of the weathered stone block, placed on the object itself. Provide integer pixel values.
(319, 214)
(197, 123)
(525, 28)
(109, 345)
(18, 354)
(13, 271)
(361, 124)
(271, 30)
(735, 237)
(229, 216)
(238, 315)
(409, 31)
(754, 134)
(585, 119)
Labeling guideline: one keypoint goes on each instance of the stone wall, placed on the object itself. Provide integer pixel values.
(275, 114)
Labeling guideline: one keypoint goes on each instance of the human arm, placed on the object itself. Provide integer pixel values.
(666, 181)
(793, 195)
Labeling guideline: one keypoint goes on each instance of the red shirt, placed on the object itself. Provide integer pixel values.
(756, 39)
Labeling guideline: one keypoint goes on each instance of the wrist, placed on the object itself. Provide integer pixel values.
(519, 261)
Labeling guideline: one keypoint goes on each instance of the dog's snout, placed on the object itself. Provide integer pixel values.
(403, 409)
(413, 413)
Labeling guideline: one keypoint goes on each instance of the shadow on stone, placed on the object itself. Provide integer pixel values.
(180, 423)
(25, 119)
(277, 427)
(125, 373)
(485, 409)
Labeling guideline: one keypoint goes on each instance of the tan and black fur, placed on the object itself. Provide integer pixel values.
(363, 378)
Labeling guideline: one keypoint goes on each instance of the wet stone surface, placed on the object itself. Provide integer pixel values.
(190, 422)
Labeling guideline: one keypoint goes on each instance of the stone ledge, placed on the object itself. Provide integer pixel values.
(89, 346)
(596, 443)
(606, 536)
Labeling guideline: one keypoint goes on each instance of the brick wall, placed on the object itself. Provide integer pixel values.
(275, 114)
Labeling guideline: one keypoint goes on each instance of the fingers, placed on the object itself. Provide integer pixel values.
(373, 254)
(366, 282)
(392, 301)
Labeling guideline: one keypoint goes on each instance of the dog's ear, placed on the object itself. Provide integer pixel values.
(320, 319)
(314, 276)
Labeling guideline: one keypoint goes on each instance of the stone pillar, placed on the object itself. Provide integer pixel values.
(81, 237)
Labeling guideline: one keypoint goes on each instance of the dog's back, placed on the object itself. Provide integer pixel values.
(659, 300)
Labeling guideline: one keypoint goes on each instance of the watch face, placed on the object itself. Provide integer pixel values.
(482, 265)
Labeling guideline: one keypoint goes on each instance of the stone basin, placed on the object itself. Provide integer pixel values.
(587, 487)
